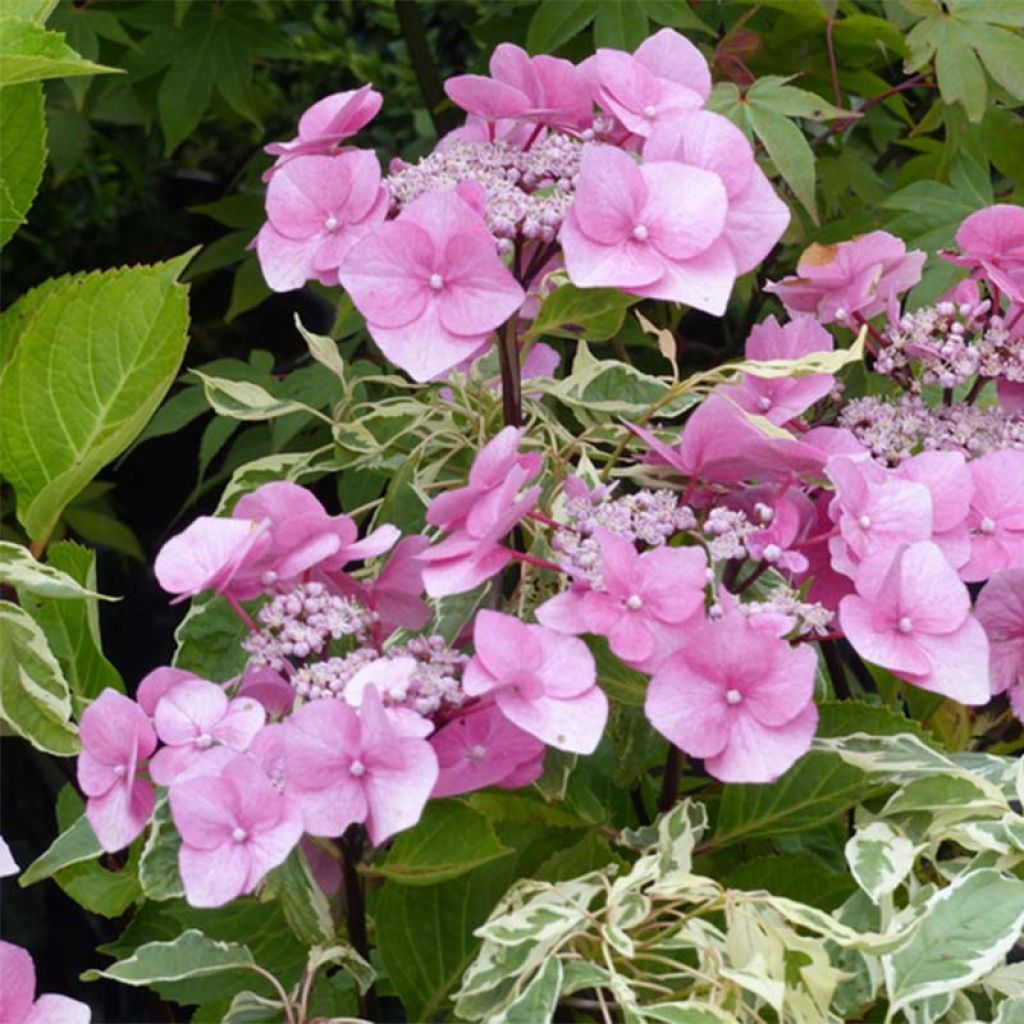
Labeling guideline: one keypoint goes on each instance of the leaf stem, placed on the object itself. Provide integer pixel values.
(351, 844)
(511, 382)
(670, 779)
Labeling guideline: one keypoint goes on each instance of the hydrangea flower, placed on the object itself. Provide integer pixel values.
(18, 1002)
(991, 243)
(542, 681)
(996, 517)
(738, 697)
(1000, 610)
(431, 285)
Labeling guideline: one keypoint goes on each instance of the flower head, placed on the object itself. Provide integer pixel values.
(18, 1003)
(992, 244)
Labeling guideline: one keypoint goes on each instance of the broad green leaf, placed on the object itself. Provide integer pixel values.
(72, 627)
(424, 972)
(88, 370)
(29, 10)
(620, 24)
(679, 16)
(538, 1000)
(103, 892)
(186, 88)
(243, 400)
(686, 1013)
(72, 846)
(208, 640)
(449, 840)
(615, 677)
(1002, 53)
(35, 699)
(774, 92)
(961, 78)
(249, 1008)
(20, 570)
(190, 955)
(344, 955)
(302, 900)
(592, 313)
(324, 350)
(967, 929)
(158, 862)
(941, 792)
(556, 22)
(880, 857)
(797, 876)
(29, 53)
(22, 154)
(789, 150)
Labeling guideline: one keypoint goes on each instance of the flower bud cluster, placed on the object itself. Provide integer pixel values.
(809, 618)
(728, 530)
(528, 191)
(894, 430)
(302, 622)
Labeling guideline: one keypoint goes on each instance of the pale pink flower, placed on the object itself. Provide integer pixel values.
(208, 554)
(855, 278)
(431, 284)
(665, 77)
(347, 768)
(235, 827)
(8, 865)
(996, 517)
(195, 716)
(269, 688)
(483, 748)
(545, 90)
(18, 1003)
(649, 229)
(117, 737)
(158, 682)
(325, 124)
(542, 681)
(756, 217)
(950, 484)
(641, 596)
(302, 538)
(780, 399)
(911, 615)
(318, 208)
(992, 244)
(738, 697)
(775, 543)
(1000, 610)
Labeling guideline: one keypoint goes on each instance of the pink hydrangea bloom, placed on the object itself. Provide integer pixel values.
(325, 124)
(431, 284)
(117, 737)
(269, 688)
(195, 716)
(8, 865)
(665, 77)
(158, 682)
(992, 244)
(1000, 610)
(542, 681)
(649, 229)
(346, 767)
(302, 538)
(855, 278)
(235, 827)
(948, 479)
(756, 217)
(776, 543)
(911, 615)
(996, 516)
(318, 207)
(483, 748)
(208, 554)
(738, 697)
(543, 89)
(780, 399)
(18, 1003)
(641, 597)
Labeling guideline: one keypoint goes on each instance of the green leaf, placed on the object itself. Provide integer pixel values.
(22, 154)
(34, 696)
(29, 10)
(449, 840)
(774, 93)
(789, 150)
(961, 78)
(676, 15)
(880, 858)
(967, 929)
(424, 972)
(615, 677)
(158, 862)
(592, 313)
(208, 640)
(72, 628)
(687, 1012)
(537, 1001)
(324, 350)
(302, 900)
(29, 53)
(344, 955)
(72, 846)
(1002, 53)
(243, 400)
(186, 88)
(103, 892)
(89, 368)
(620, 24)
(556, 22)
(797, 876)
(19, 569)
(190, 955)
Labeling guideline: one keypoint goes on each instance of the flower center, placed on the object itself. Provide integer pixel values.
(640, 232)
(436, 282)
(764, 403)
(650, 110)
(733, 696)
(772, 553)
(331, 223)
(239, 835)
(204, 740)
(865, 522)
(357, 768)
(987, 525)
(634, 602)
(120, 770)
(905, 625)
(477, 753)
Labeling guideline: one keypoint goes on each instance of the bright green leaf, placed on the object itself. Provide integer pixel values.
(303, 902)
(19, 569)
(556, 22)
(158, 862)
(592, 313)
(29, 53)
(620, 24)
(22, 154)
(789, 150)
(72, 846)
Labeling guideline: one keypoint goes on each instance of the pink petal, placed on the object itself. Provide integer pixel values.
(216, 876)
(506, 646)
(188, 710)
(685, 209)
(396, 798)
(609, 197)
(959, 664)
(758, 754)
(341, 114)
(568, 668)
(671, 582)
(688, 708)
(115, 730)
(671, 55)
(207, 554)
(479, 293)
(486, 97)
(55, 1009)
(709, 141)
(704, 282)
(786, 687)
(880, 643)
(205, 811)
(157, 683)
(575, 724)
(121, 814)
(754, 223)
(17, 983)
(270, 847)
(305, 192)
(563, 612)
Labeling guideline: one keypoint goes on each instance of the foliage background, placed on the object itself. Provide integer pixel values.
(147, 164)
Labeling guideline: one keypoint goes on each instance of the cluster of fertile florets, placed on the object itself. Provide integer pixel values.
(613, 169)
